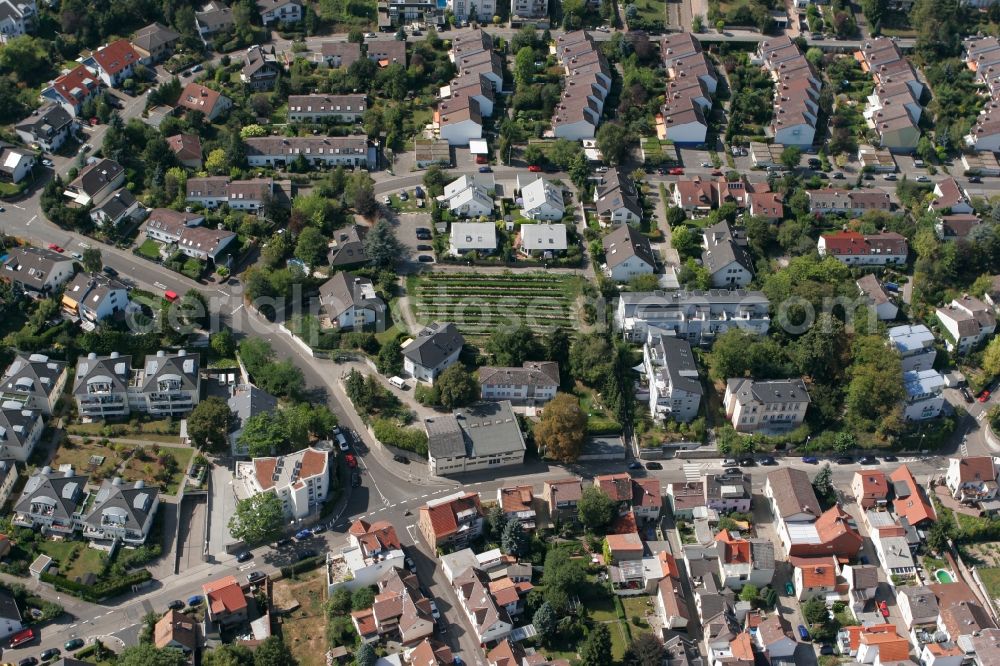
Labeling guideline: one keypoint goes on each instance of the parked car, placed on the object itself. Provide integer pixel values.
(889, 459)
(984, 396)
(482, 159)
(485, 169)
(424, 248)
(425, 259)
(803, 632)
(966, 395)
(28, 661)
(826, 649)
(534, 168)
(244, 556)
(975, 179)
(868, 460)
(350, 460)
(195, 600)
(838, 176)
(654, 466)
(434, 610)
(418, 192)
(728, 462)
(889, 176)
(282, 542)
(110, 272)
(635, 464)
(306, 554)
(423, 233)
(76, 255)
(747, 462)
(403, 196)
(401, 459)
(74, 644)
(884, 609)
(810, 460)
(732, 470)
(319, 529)
(55, 248)
(922, 179)
(303, 534)
(355, 480)
(255, 576)
(844, 460)
(176, 604)
(676, 171)
(768, 460)
(47, 163)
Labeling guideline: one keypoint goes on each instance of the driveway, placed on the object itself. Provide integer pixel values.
(191, 538)
(222, 506)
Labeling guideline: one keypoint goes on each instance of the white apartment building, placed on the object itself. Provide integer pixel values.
(766, 406)
(301, 480)
(674, 389)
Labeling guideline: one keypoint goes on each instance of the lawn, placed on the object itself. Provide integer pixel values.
(479, 303)
(304, 629)
(149, 249)
(145, 465)
(656, 151)
(991, 579)
(78, 455)
(599, 420)
(88, 560)
(637, 608)
(652, 10)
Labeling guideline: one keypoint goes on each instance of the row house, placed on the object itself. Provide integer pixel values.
(616, 199)
(909, 500)
(697, 316)
(684, 59)
(772, 406)
(108, 387)
(459, 120)
(585, 87)
(814, 577)
(280, 152)
(400, 612)
(847, 202)
(968, 321)
(317, 108)
(470, 96)
(675, 390)
(796, 95)
(862, 586)
(725, 493)
(982, 56)
(214, 191)
(892, 547)
(640, 497)
(451, 521)
(856, 249)
(684, 114)
(893, 109)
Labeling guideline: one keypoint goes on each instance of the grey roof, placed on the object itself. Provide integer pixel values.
(533, 373)
(870, 286)
(113, 369)
(793, 492)
(181, 366)
(678, 363)
(349, 246)
(96, 176)
(117, 204)
(122, 505)
(724, 245)
(62, 490)
(483, 429)
(46, 122)
(32, 375)
(31, 266)
(153, 36)
(714, 483)
(16, 423)
(344, 291)
(773, 391)
(866, 576)
(433, 344)
(257, 59)
(762, 554)
(695, 296)
(626, 242)
(8, 607)
(616, 190)
(248, 400)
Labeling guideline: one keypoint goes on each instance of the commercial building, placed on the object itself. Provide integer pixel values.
(483, 436)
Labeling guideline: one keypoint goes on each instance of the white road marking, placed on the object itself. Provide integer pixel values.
(392, 506)
(33, 218)
(73, 626)
(18, 207)
(238, 308)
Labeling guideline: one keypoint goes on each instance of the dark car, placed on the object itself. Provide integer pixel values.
(423, 233)
(768, 460)
(401, 459)
(255, 576)
(868, 460)
(307, 553)
(732, 470)
(485, 169)
(844, 460)
(654, 466)
(747, 462)
(176, 604)
(418, 192)
(283, 542)
(826, 649)
(810, 460)
(975, 179)
(966, 395)
(110, 272)
(635, 464)
(51, 653)
(889, 459)
(424, 248)
(244, 556)
(355, 480)
(74, 644)
(814, 163)
(319, 529)
(195, 600)
(28, 661)
(425, 259)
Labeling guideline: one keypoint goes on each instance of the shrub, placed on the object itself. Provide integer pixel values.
(409, 439)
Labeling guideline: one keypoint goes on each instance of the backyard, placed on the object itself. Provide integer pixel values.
(304, 628)
(157, 465)
(477, 304)
(74, 558)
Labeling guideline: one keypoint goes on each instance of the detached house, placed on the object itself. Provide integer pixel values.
(536, 382)
(879, 300)
(96, 182)
(154, 43)
(950, 197)
(348, 247)
(627, 254)
(972, 479)
(490, 621)
(672, 375)
(301, 480)
(49, 127)
(261, 70)
(766, 406)
(400, 610)
(616, 199)
(543, 200)
(968, 323)
(196, 97)
(72, 89)
(35, 270)
(351, 302)
(214, 17)
(915, 345)
(434, 348)
(279, 11)
(562, 496)
(94, 297)
(518, 503)
(451, 521)
(726, 257)
(116, 62)
(187, 149)
(225, 602)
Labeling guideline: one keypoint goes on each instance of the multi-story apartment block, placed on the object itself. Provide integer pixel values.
(108, 387)
(697, 316)
(923, 394)
(121, 512)
(34, 381)
(674, 389)
(52, 501)
(318, 108)
(535, 383)
(766, 406)
(301, 480)
(915, 344)
(967, 323)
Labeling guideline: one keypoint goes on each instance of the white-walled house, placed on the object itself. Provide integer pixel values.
(543, 200)
(301, 480)
(20, 430)
(968, 321)
(432, 350)
(674, 388)
(472, 237)
(627, 254)
(351, 302)
(536, 382)
(972, 478)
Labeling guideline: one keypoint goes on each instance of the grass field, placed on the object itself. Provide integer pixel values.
(88, 560)
(304, 629)
(150, 249)
(148, 469)
(652, 10)
(79, 455)
(991, 579)
(480, 303)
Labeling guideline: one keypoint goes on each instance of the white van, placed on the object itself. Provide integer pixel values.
(342, 441)
(398, 383)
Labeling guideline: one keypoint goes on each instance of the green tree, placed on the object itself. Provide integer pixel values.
(814, 611)
(456, 387)
(390, 358)
(991, 358)
(613, 141)
(216, 163)
(644, 650)
(257, 519)
(563, 575)
(686, 242)
(823, 485)
(545, 622)
(311, 247)
(560, 432)
(596, 648)
(223, 343)
(264, 434)
(791, 156)
(749, 593)
(590, 358)
(365, 655)
(339, 602)
(511, 348)
(514, 540)
(92, 260)
(524, 67)
(147, 654)
(496, 520)
(382, 246)
(362, 598)
(228, 654)
(273, 652)
(596, 510)
(208, 424)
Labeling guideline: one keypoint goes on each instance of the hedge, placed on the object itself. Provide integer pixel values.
(102, 590)
(305, 565)
(409, 439)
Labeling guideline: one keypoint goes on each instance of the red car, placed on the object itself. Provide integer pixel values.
(351, 460)
(676, 171)
(984, 396)
(482, 159)
(55, 248)
(884, 609)
(534, 168)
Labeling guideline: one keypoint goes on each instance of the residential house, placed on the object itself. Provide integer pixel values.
(115, 62)
(726, 257)
(319, 108)
(17, 17)
(641, 497)
(814, 577)
(972, 479)
(833, 533)
(616, 199)
(474, 86)
(534, 383)
(768, 205)
(909, 501)
(683, 116)
(373, 549)
(106, 386)
(20, 430)
(766, 406)
(950, 198)
(695, 196)
(433, 349)
(562, 496)
(627, 254)
(167, 226)
(96, 182)
(15, 164)
(797, 90)
(470, 196)
(279, 11)
(93, 297)
(961, 615)
(485, 435)
(121, 512)
(51, 501)
(956, 227)
(518, 503)
(892, 549)
(340, 54)
(874, 644)
(585, 87)
(773, 637)
(870, 488)
(154, 43)
(214, 17)
(451, 521)
(469, 10)
(696, 316)
(36, 271)
(878, 297)
(915, 345)
(177, 631)
(225, 602)
(48, 127)
(923, 394)
(862, 586)
(261, 70)
(734, 560)
(187, 149)
(244, 401)
(348, 247)
(385, 52)
(670, 602)
(325, 151)
(301, 480)
(544, 240)
(489, 620)
(685, 498)
(72, 89)
(506, 653)
(543, 200)
(116, 211)
(791, 496)
(726, 493)
(459, 120)
(918, 606)
(855, 203)
(10, 615)
(34, 381)
(196, 97)
(351, 302)
(855, 249)
(984, 647)
(730, 650)
(624, 547)
(209, 191)
(967, 322)
(674, 388)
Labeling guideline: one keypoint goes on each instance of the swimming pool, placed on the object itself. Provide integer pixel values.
(944, 576)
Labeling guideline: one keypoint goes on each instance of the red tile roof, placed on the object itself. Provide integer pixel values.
(915, 508)
(77, 80)
(225, 595)
(852, 243)
(737, 551)
(365, 621)
(198, 98)
(116, 56)
(891, 646)
(185, 146)
(442, 516)
(517, 499)
(376, 536)
(624, 543)
(616, 486)
(873, 484)
(817, 572)
(976, 469)
(854, 633)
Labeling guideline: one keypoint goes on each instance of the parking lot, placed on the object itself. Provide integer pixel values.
(406, 232)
